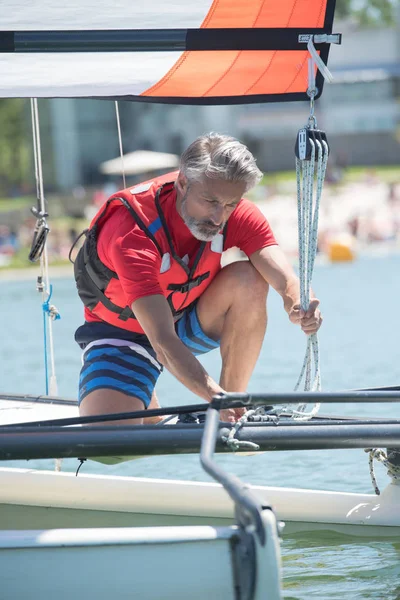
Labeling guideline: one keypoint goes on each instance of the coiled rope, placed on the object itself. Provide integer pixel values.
(381, 456)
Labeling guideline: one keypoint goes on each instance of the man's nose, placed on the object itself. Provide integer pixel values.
(217, 216)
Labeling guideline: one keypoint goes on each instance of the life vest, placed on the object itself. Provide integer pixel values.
(99, 287)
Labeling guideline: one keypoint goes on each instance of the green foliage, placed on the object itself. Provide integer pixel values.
(16, 203)
(368, 12)
(15, 144)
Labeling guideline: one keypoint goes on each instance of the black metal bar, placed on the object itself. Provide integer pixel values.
(318, 422)
(226, 401)
(123, 416)
(230, 399)
(60, 400)
(387, 388)
(246, 503)
(55, 442)
(158, 40)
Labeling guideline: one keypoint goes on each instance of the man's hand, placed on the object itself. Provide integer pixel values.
(231, 415)
(309, 321)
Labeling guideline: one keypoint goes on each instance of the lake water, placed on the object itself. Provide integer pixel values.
(359, 348)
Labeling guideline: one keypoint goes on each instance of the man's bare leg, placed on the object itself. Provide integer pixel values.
(233, 310)
(105, 401)
(153, 404)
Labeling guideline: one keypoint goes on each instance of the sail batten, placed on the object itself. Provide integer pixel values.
(158, 40)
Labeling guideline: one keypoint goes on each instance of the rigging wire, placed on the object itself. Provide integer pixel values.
(39, 250)
(121, 151)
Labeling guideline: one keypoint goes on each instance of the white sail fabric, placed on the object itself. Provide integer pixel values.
(23, 15)
(118, 74)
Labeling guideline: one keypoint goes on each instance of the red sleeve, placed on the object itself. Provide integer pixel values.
(248, 229)
(125, 248)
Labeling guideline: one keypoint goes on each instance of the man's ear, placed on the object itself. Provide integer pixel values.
(181, 183)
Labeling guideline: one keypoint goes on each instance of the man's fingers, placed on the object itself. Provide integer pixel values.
(312, 326)
(227, 415)
(311, 320)
(296, 314)
(239, 412)
(310, 329)
(314, 303)
(231, 415)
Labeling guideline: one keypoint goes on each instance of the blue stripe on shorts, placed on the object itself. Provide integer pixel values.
(119, 368)
(189, 331)
(125, 369)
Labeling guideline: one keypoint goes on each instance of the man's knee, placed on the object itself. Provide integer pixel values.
(246, 280)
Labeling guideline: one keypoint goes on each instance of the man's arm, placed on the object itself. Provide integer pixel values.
(273, 265)
(155, 317)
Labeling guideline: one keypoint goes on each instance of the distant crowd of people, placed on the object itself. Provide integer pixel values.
(368, 223)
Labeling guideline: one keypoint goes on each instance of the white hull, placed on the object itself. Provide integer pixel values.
(42, 499)
(20, 412)
(171, 563)
(30, 499)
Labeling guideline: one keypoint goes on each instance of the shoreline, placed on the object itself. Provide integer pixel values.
(32, 273)
(383, 250)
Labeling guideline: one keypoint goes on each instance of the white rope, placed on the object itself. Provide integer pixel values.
(308, 213)
(308, 205)
(121, 151)
(232, 442)
(230, 439)
(380, 455)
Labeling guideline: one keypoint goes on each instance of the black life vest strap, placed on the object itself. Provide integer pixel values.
(183, 288)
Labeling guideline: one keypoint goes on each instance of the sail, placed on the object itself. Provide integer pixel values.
(181, 51)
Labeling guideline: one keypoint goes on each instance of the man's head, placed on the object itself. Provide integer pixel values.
(214, 173)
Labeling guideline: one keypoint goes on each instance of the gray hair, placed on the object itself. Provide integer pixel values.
(219, 156)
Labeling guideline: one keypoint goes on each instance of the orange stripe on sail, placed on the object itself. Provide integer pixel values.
(242, 73)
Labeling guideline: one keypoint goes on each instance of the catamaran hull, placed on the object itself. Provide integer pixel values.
(172, 563)
(43, 499)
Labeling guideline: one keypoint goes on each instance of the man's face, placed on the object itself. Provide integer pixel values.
(206, 206)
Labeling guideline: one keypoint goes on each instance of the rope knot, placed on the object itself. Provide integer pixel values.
(50, 309)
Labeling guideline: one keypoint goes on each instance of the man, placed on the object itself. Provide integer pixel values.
(155, 295)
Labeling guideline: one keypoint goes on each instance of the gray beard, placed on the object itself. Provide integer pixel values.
(201, 230)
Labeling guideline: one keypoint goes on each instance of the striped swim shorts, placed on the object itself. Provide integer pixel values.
(132, 367)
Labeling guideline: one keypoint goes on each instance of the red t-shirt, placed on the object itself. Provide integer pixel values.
(123, 247)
